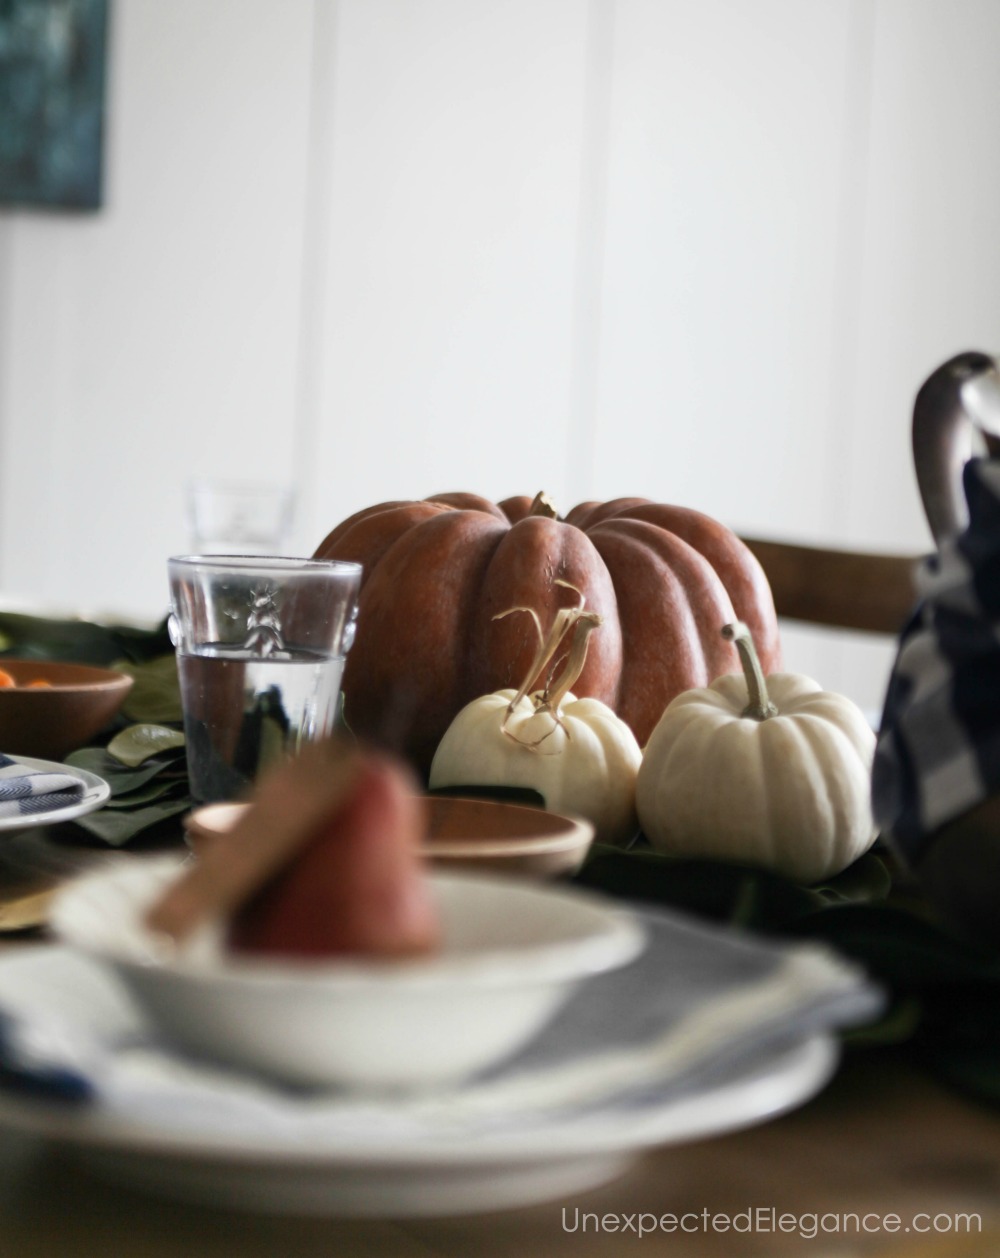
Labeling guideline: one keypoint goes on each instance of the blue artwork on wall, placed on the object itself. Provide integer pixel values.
(52, 55)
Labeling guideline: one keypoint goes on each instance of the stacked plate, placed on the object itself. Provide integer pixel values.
(662, 1030)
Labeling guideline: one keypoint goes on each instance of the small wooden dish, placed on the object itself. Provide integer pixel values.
(73, 704)
(478, 835)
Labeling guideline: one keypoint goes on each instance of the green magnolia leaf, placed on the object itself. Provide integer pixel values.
(155, 697)
(174, 768)
(78, 641)
(865, 881)
(158, 788)
(39, 638)
(738, 894)
(138, 743)
(116, 827)
(118, 776)
(90, 758)
(139, 645)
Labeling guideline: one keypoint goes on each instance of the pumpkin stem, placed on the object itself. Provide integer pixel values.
(549, 700)
(760, 706)
(586, 623)
(543, 505)
(547, 644)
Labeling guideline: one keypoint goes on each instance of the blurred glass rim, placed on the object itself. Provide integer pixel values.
(265, 565)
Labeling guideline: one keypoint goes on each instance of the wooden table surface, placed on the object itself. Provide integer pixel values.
(881, 1140)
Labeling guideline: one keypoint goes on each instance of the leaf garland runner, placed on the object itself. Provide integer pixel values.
(141, 755)
(80, 641)
(144, 792)
(944, 994)
(145, 762)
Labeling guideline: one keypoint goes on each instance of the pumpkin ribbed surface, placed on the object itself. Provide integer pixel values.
(436, 572)
(790, 793)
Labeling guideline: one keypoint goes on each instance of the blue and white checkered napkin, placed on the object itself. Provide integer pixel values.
(938, 752)
(25, 790)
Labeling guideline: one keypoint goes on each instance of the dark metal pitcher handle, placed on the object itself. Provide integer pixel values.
(961, 396)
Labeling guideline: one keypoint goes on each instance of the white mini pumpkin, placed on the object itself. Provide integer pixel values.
(783, 781)
(580, 757)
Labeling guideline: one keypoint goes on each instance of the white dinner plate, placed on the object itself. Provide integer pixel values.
(441, 1172)
(95, 793)
(707, 1031)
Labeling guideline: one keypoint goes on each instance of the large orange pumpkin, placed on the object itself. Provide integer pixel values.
(437, 572)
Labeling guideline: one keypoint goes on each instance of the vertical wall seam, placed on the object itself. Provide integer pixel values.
(313, 306)
(591, 249)
(845, 367)
(842, 417)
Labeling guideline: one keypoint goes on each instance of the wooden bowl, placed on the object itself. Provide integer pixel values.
(483, 834)
(478, 835)
(48, 721)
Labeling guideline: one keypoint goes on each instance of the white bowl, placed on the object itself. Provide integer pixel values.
(512, 954)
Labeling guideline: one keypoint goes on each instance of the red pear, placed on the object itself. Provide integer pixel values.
(357, 887)
(326, 861)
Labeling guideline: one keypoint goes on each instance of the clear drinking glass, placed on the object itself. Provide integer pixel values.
(236, 518)
(260, 642)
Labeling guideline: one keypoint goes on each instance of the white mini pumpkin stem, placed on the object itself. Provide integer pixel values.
(548, 644)
(586, 623)
(550, 699)
(760, 706)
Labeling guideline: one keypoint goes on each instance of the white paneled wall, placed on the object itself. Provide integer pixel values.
(701, 250)
(159, 337)
(718, 358)
(450, 262)
(929, 257)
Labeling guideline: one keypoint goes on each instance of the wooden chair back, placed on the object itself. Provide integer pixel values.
(876, 592)
(842, 589)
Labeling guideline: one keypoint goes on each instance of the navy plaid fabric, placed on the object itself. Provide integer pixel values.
(25, 789)
(938, 751)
